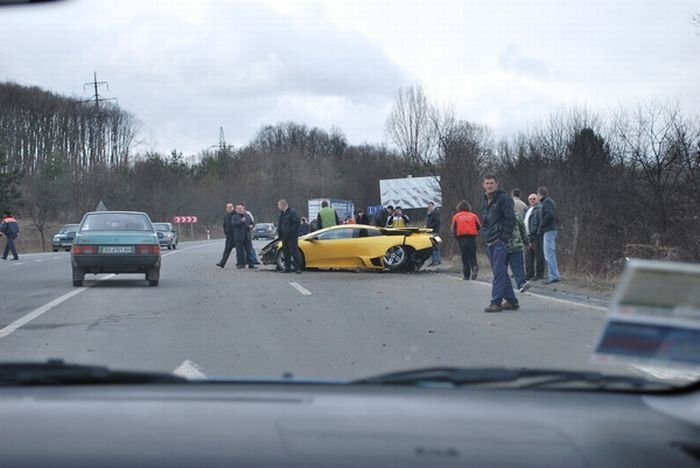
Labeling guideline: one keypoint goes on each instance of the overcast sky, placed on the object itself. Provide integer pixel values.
(187, 68)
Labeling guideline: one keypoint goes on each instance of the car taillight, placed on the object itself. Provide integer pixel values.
(148, 249)
(84, 249)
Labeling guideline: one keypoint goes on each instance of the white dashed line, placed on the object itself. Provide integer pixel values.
(302, 290)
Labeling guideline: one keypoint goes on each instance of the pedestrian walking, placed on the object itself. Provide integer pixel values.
(228, 232)
(465, 227)
(10, 229)
(498, 221)
(288, 230)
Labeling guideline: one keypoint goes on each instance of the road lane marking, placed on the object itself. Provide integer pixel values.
(302, 290)
(36, 313)
(189, 370)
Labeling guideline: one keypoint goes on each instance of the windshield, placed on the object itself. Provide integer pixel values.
(534, 148)
(68, 228)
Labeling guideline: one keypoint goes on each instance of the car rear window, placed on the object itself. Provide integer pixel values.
(116, 222)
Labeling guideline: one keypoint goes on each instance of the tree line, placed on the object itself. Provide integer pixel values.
(626, 184)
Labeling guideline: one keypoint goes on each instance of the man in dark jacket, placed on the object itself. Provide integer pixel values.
(498, 221)
(288, 231)
(228, 232)
(382, 216)
(9, 228)
(549, 229)
(534, 255)
(433, 222)
(242, 237)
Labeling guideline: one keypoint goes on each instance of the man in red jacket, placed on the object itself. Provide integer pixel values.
(465, 227)
(10, 229)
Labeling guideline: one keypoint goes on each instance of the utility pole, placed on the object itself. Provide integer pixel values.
(95, 84)
(97, 132)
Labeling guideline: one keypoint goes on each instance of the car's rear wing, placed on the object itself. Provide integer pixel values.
(405, 231)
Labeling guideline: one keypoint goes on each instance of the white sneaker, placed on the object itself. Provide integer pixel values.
(524, 287)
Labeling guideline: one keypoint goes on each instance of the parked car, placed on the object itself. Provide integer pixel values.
(63, 239)
(264, 231)
(116, 242)
(167, 235)
(352, 246)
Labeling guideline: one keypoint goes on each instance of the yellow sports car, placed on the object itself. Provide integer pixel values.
(352, 246)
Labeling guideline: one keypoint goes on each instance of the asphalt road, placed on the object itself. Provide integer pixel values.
(320, 324)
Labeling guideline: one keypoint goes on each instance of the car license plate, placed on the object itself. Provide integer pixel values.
(117, 249)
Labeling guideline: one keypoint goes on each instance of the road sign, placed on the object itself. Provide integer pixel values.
(184, 219)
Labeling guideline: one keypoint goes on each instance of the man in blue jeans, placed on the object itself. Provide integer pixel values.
(498, 222)
(549, 229)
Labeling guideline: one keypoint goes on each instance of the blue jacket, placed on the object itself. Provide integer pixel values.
(548, 216)
(497, 217)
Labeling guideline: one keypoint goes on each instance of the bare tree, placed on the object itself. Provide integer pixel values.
(409, 126)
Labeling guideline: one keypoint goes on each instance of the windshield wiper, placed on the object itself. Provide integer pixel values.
(513, 378)
(57, 372)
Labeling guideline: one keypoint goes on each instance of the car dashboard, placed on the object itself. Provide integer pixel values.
(313, 425)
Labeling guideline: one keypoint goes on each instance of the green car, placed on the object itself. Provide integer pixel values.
(116, 242)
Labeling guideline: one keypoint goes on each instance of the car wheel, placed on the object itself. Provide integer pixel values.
(153, 276)
(396, 257)
(78, 277)
(280, 261)
(170, 246)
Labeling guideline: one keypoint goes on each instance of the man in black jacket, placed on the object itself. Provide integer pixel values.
(433, 222)
(549, 227)
(288, 231)
(498, 221)
(228, 232)
(534, 255)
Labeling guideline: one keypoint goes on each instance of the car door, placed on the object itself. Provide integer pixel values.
(335, 248)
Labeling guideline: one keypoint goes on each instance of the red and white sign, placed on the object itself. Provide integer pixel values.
(184, 219)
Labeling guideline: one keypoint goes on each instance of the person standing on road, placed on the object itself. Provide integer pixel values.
(398, 219)
(361, 217)
(10, 229)
(519, 205)
(251, 251)
(549, 229)
(288, 230)
(228, 232)
(433, 222)
(327, 216)
(240, 224)
(534, 255)
(465, 227)
(380, 219)
(514, 248)
(304, 227)
(498, 220)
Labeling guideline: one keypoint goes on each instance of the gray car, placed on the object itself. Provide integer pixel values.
(63, 239)
(167, 235)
